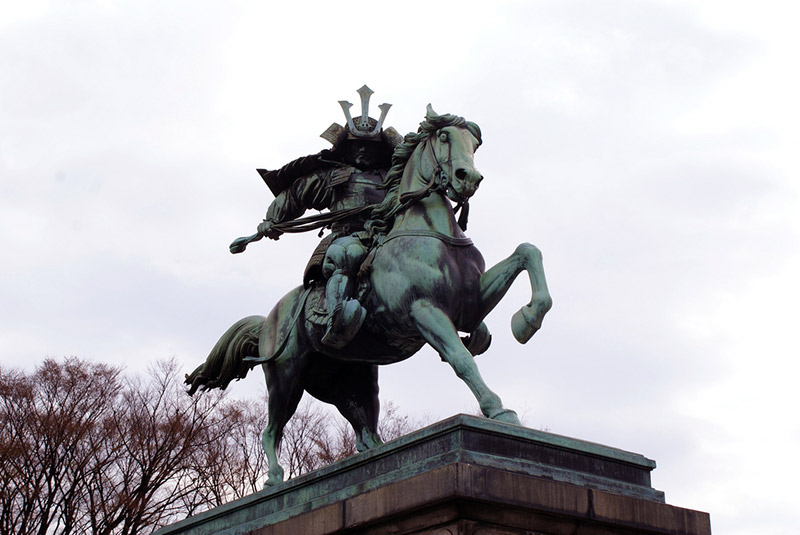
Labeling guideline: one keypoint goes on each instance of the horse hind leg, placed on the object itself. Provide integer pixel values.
(353, 389)
(496, 281)
(285, 389)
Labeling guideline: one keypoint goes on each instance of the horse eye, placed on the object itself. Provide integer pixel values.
(443, 137)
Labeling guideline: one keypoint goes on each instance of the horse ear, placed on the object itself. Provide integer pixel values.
(429, 113)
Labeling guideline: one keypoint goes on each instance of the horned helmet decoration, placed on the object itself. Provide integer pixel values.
(362, 128)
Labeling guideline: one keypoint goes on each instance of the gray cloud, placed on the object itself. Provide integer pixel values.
(127, 153)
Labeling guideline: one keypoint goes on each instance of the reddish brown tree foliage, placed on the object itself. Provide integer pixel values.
(47, 423)
(84, 449)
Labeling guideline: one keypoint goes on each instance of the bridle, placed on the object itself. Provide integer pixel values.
(437, 183)
(440, 180)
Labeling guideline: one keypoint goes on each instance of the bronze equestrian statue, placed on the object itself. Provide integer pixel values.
(414, 276)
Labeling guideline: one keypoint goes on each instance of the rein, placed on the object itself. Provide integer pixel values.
(316, 221)
(438, 183)
(449, 240)
(366, 265)
(443, 179)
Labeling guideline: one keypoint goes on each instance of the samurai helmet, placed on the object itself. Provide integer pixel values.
(363, 128)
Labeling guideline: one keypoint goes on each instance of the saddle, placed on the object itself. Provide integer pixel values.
(316, 307)
(313, 270)
(316, 310)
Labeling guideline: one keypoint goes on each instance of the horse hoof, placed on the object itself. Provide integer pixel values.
(275, 477)
(478, 341)
(506, 415)
(272, 481)
(525, 322)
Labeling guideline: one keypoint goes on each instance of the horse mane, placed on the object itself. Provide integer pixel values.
(382, 217)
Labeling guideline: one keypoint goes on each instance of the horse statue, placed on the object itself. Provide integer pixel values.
(423, 282)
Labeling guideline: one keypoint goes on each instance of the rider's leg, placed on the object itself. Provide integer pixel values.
(438, 330)
(345, 314)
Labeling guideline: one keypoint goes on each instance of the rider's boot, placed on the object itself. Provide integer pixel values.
(345, 314)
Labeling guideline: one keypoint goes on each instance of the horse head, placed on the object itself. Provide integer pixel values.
(452, 142)
(437, 158)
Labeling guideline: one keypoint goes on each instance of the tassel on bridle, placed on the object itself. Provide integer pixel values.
(463, 207)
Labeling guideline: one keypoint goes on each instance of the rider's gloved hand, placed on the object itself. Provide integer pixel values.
(265, 229)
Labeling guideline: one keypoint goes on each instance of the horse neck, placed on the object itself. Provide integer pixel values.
(433, 212)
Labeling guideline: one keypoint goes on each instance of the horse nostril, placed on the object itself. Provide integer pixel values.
(461, 174)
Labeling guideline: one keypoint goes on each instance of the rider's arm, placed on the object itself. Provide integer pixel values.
(308, 192)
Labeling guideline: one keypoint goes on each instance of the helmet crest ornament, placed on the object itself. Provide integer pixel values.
(363, 127)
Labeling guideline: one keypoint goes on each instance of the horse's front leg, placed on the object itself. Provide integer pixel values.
(438, 330)
(496, 281)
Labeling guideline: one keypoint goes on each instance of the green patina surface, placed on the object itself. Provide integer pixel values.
(396, 272)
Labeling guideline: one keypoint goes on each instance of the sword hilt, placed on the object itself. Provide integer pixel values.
(240, 244)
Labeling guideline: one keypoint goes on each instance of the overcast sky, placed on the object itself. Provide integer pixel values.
(648, 148)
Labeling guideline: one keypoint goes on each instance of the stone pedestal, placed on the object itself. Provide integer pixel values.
(463, 476)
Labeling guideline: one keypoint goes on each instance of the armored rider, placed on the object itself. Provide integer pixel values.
(346, 180)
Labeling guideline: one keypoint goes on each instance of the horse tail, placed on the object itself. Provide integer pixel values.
(226, 361)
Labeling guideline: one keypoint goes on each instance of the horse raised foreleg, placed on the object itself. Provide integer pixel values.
(496, 281)
(438, 330)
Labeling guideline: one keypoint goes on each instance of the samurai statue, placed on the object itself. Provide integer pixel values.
(346, 180)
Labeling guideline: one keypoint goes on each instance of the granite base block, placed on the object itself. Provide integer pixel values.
(463, 475)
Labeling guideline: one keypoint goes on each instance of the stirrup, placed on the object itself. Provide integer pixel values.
(344, 323)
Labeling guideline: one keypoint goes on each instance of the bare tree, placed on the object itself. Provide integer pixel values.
(233, 465)
(84, 449)
(46, 420)
(314, 438)
(157, 433)
(394, 425)
(302, 437)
